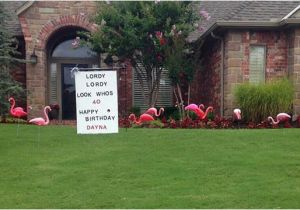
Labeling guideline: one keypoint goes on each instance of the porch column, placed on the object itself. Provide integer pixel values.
(232, 69)
(36, 81)
(296, 71)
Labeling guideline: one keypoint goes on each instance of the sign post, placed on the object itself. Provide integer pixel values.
(96, 102)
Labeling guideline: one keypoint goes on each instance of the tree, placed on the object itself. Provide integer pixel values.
(181, 63)
(141, 32)
(8, 86)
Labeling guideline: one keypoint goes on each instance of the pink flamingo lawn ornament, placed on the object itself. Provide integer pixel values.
(17, 112)
(237, 116)
(41, 121)
(143, 118)
(281, 117)
(153, 111)
(199, 112)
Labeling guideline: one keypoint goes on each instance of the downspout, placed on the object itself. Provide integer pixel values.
(221, 73)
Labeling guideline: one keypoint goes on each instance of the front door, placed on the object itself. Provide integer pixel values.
(68, 91)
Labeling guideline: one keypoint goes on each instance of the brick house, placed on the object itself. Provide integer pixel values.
(244, 41)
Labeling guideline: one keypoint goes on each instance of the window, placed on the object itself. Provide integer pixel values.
(257, 64)
(66, 50)
(164, 95)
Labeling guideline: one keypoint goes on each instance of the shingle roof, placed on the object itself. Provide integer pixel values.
(265, 10)
(257, 11)
(233, 11)
(13, 24)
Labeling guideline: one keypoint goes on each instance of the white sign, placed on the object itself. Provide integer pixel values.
(96, 102)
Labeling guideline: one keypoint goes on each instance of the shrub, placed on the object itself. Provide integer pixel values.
(257, 102)
(171, 112)
(156, 124)
(135, 110)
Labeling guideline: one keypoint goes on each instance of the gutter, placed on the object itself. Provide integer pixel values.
(221, 73)
(249, 24)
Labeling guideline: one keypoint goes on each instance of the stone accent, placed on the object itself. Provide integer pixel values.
(232, 68)
(295, 67)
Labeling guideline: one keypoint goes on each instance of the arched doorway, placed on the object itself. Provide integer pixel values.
(62, 57)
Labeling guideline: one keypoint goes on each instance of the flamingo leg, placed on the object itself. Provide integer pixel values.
(18, 126)
(39, 134)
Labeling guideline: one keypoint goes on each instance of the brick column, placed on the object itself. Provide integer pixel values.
(232, 69)
(36, 82)
(296, 71)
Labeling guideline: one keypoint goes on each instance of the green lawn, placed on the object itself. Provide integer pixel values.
(149, 168)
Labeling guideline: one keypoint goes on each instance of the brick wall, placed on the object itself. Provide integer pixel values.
(39, 22)
(125, 89)
(206, 88)
(277, 52)
(237, 44)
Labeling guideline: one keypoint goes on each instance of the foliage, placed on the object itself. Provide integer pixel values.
(257, 102)
(135, 110)
(156, 124)
(141, 31)
(180, 63)
(8, 86)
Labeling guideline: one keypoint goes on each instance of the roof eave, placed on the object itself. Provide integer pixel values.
(243, 24)
(290, 21)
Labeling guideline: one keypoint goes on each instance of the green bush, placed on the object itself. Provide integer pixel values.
(135, 110)
(257, 102)
(172, 112)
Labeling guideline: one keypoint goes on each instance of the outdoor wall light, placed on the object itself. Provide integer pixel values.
(33, 57)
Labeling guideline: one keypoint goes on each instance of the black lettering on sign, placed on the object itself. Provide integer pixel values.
(95, 76)
(105, 93)
(88, 111)
(97, 117)
(86, 94)
(96, 84)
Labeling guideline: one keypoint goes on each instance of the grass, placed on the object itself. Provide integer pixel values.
(149, 168)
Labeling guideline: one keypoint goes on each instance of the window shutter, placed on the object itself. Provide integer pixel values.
(165, 90)
(53, 83)
(138, 99)
(257, 64)
(164, 96)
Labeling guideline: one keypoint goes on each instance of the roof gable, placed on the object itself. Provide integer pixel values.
(295, 13)
(24, 7)
(12, 22)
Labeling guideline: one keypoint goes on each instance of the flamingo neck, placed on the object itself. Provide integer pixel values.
(159, 112)
(46, 115)
(273, 121)
(201, 106)
(134, 119)
(12, 106)
(206, 111)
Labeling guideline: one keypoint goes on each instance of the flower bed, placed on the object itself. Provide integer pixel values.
(216, 123)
